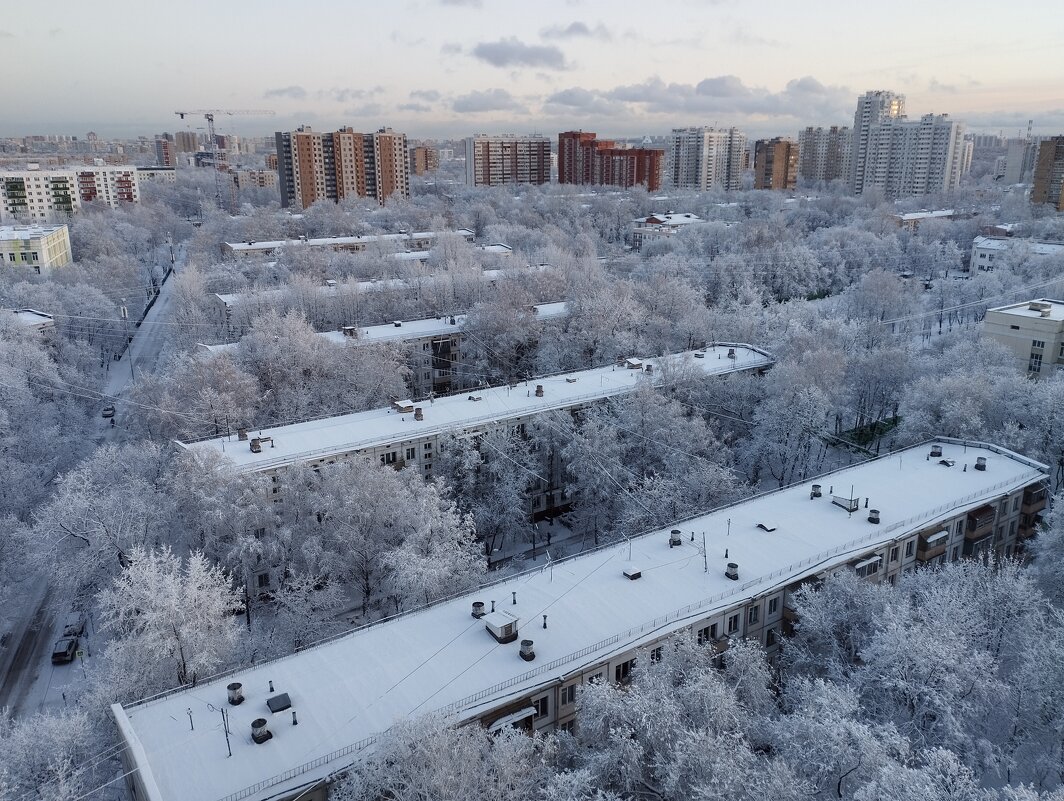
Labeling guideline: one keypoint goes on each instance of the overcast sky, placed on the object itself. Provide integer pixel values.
(443, 68)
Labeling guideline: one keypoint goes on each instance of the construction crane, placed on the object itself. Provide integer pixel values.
(209, 114)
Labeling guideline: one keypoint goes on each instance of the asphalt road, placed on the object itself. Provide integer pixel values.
(30, 648)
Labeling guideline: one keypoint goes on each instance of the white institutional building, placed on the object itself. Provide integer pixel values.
(705, 158)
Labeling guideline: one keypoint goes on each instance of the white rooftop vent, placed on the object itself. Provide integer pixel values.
(501, 625)
(947, 462)
(732, 571)
(478, 609)
(936, 451)
(236, 693)
(631, 572)
(405, 406)
(527, 653)
(675, 538)
(849, 504)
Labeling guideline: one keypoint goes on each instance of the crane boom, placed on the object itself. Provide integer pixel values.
(209, 114)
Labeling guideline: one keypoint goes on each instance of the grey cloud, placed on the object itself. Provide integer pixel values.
(577, 30)
(296, 92)
(450, 48)
(347, 95)
(935, 85)
(430, 95)
(488, 100)
(513, 52)
(366, 110)
(803, 98)
(6, 35)
(582, 101)
(419, 108)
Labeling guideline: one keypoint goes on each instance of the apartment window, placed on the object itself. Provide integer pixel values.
(1038, 344)
(754, 614)
(733, 624)
(894, 554)
(596, 679)
(1012, 528)
(1062, 350)
(428, 446)
(411, 453)
(1016, 504)
(391, 457)
(1035, 364)
(541, 705)
(956, 554)
(910, 548)
(568, 726)
(707, 635)
(569, 695)
(770, 638)
(890, 579)
(773, 605)
(623, 671)
(655, 655)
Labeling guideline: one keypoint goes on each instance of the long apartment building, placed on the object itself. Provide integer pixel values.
(1033, 331)
(824, 153)
(313, 166)
(43, 195)
(520, 651)
(409, 435)
(435, 346)
(988, 251)
(705, 158)
(418, 241)
(585, 159)
(507, 159)
(39, 247)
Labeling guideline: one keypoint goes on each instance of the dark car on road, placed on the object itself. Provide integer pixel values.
(108, 411)
(73, 624)
(64, 650)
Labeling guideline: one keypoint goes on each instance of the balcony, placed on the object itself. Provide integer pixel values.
(931, 546)
(1034, 500)
(980, 523)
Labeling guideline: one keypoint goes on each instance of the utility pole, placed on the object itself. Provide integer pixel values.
(129, 344)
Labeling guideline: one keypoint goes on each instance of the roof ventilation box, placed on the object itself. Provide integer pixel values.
(279, 703)
(732, 571)
(501, 625)
(527, 653)
(675, 538)
(478, 609)
(980, 463)
(631, 572)
(873, 516)
(815, 492)
(936, 451)
(236, 693)
(259, 732)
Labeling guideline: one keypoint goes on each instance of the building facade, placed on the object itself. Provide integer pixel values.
(520, 651)
(1033, 331)
(1049, 173)
(313, 166)
(40, 247)
(988, 251)
(872, 109)
(906, 157)
(824, 153)
(507, 159)
(660, 226)
(776, 164)
(423, 160)
(706, 158)
(42, 195)
(585, 159)
(264, 179)
(186, 141)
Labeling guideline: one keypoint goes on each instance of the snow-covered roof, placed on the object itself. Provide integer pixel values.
(31, 318)
(16, 233)
(317, 439)
(439, 658)
(670, 219)
(926, 215)
(1003, 243)
(342, 241)
(235, 298)
(1034, 309)
(409, 329)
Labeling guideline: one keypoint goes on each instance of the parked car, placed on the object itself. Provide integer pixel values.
(73, 624)
(109, 411)
(64, 650)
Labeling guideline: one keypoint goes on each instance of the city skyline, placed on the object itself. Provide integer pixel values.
(451, 68)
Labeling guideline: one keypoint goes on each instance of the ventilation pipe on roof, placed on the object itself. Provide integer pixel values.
(527, 653)
(815, 492)
(675, 538)
(732, 572)
(980, 463)
(242, 434)
(873, 516)
(418, 413)
(478, 609)
(539, 390)
(236, 694)
(936, 451)
(259, 732)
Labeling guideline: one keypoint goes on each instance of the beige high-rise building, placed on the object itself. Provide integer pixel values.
(775, 164)
(904, 158)
(705, 158)
(186, 141)
(424, 159)
(872, 108)
(507, 159)
(1049, 173)
(824, 153)
(313, 166)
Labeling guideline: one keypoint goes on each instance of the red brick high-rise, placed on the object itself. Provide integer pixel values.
(585, 159)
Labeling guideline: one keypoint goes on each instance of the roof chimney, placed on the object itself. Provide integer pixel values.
(478, 609)
(539, 390)
(236, 694)
(527, 653)
(873, 516)
(980, 463)
(732, 572)
(675, 538)
(418, 413)
(259, 732)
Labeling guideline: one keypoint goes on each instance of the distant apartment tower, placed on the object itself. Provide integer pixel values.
(186, 141)
(1049, 173)
(706, 158)
(507, 159)
(164, 153)
(423, 159)
(313, 166)
(906, 157)
(775, 164)
(1019, 160)
(824, 153)
(872, 108)
(271, 161)
(585, 159)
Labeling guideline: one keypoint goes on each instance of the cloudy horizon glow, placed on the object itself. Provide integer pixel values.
(451, 68)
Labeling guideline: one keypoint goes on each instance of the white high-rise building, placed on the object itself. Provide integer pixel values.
(508, 159)
(872, 108)
(914, 157)
(824, 153)
(705, 158)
